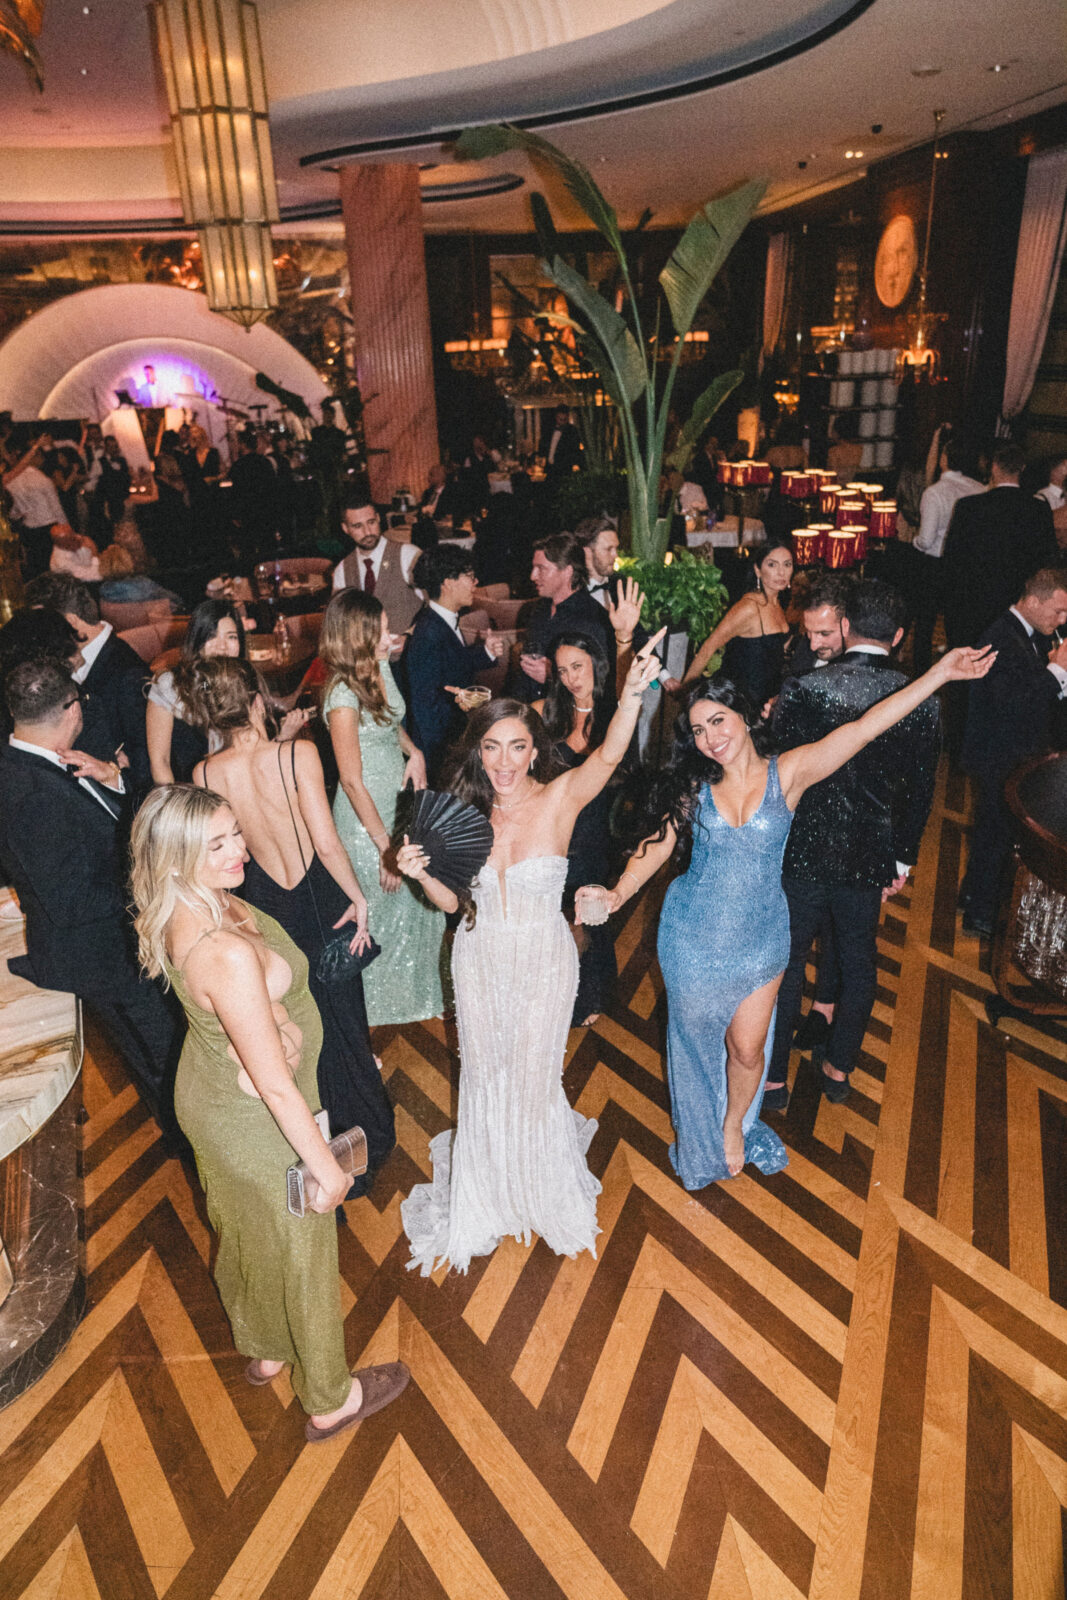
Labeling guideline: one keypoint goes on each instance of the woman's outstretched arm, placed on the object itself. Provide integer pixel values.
(810, 763)
(728, 628)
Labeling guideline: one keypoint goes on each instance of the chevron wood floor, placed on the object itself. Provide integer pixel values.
(847, 1382)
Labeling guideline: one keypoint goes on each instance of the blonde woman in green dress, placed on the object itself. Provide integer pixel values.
(246, 1098)
(375, 757)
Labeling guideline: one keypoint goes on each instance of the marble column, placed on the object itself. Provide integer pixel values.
(391, 311)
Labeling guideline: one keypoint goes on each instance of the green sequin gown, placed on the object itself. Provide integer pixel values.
(404, 984)
(277, 1274)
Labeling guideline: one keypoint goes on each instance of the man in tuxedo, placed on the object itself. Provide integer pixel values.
(1009, 717)
(62, 844)
(565, 605)
(112, 678)
(599, 538)
(995, 541)
(563, 454)
(438, 663)
(439, 497)
(856, 835)
(823, 615)
(255, 498)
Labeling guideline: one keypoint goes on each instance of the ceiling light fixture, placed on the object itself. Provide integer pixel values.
(1001, 66)
(925, 72)
(920, 357)
(217, 92)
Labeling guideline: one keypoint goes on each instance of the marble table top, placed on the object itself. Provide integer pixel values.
(40, 1040)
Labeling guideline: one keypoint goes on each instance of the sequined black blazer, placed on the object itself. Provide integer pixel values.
(855, 826)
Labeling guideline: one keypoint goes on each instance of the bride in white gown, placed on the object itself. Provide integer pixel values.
(516, 1164)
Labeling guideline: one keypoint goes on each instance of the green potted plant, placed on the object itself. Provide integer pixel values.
(616, 343)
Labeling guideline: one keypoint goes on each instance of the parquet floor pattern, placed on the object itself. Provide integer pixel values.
(846, 1382)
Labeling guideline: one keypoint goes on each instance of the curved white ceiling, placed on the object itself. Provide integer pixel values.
(67, 359)
(784, 81)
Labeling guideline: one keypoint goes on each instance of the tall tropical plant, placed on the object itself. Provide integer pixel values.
(615, 343)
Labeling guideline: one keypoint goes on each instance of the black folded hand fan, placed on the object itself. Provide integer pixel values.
(455, 837)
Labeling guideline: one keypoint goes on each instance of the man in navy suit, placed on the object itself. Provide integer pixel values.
(1008, 721)
(438, 662)
(62, 845)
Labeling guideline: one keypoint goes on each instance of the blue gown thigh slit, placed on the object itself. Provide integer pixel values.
(723, 934)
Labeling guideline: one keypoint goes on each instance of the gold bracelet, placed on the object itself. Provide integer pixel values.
(630, 640)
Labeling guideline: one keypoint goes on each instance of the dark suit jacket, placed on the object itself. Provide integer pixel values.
(116, 682)
(579, 613)
(1009, 711)
(435, 655)
(65, 857)
(995, 541)
(854, 827)
(568, 450)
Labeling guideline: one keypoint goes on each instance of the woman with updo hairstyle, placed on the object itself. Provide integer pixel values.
(176, 740)
(376, 759)
(517, 1162)
(723, 808)
(246, 1098)
(752, 635)
(298, 872)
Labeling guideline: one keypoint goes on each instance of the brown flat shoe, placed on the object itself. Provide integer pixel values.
(380, 1386)
(254, 1374)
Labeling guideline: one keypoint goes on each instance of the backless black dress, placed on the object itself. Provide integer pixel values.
(350, 1085)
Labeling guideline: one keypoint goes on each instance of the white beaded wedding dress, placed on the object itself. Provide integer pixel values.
(516, 1162)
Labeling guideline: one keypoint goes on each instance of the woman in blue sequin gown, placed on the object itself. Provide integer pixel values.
(724, 929)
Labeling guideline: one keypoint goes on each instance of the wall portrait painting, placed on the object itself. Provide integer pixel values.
(896, 260)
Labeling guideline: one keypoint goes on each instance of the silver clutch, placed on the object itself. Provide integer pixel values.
(350, 1152)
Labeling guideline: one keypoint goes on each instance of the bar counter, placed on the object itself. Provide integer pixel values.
(42, 1259)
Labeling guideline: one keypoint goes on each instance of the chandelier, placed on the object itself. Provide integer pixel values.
(213, 70)
(919, 356)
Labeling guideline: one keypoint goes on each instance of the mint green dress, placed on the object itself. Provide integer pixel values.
(277, 1274)
(404, 984)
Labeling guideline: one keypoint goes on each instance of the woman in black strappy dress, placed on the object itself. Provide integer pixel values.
(753, 633)
(299, 874)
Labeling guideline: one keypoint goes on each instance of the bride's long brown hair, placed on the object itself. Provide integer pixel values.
(348, 645)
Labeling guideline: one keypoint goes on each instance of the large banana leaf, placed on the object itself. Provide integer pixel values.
(704, 409)
(477, 144)
(703, 248)
(619, 344)
(547, 237)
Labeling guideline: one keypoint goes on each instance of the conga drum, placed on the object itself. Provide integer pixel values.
(860, 530)
(840, 549)
(807, 546)
(1031, 934)
(849, 511)
(883, 523)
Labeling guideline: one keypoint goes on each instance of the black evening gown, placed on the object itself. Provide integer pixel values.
(350, 1085)
(589, 860)
(756, 666)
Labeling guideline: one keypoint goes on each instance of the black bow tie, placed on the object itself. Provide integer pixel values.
(595, 588)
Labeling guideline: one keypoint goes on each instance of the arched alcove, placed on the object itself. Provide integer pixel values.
(68, 360)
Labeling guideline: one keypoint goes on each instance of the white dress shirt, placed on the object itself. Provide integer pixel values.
(50, 755)
(1057, 672)
(36, 498)
(936, 508)
(1053, 494)
(90, 652)
(409, 554)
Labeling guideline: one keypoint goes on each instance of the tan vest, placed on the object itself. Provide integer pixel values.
(396, 595)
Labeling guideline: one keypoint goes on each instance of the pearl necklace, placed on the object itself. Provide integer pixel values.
(585, 710)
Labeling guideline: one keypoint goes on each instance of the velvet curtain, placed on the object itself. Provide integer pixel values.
(776, 285)
(1042, 235)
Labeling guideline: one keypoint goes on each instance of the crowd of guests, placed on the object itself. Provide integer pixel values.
(791, 801)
